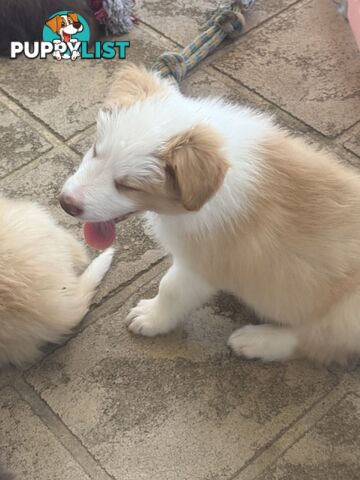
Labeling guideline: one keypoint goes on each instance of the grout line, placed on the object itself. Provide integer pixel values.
(328, 138)
(270, 102)
(175, 42)
(60, 431)
(347, 129)
(80, 132)
(50, 135)
(344, 137)
(26, 116)
(31, 165)
(55, 136)
(330, 141)
(350, 151)
(123, 293)
(129, 282)
(266, 20)
(290, 435)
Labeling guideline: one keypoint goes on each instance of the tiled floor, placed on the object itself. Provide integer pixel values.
(108, 405)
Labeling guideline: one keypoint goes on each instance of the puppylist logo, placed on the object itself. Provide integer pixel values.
(66, 36)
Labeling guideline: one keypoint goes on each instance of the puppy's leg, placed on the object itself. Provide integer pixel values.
(267, 342)
(180, 292)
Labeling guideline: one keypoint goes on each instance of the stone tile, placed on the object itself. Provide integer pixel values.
(182, 21)
(82, 142)
(353, 141)
(66, 96)
(206, 81)
(135, 250)
(311, 72)
(174, 407)
(329, 451)
(28, 448)
(20, 144)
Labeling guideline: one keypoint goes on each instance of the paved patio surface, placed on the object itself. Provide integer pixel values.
(108, 405)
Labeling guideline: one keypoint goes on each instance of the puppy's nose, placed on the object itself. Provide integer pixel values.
(77, 25)
(69, 205)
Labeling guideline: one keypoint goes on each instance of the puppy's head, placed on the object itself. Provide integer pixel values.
(68, 24)
(146, 158)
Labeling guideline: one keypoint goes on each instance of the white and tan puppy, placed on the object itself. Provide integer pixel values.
(42, 294)
(241, 206)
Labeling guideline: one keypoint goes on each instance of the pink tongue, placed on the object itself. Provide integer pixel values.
(99, 235)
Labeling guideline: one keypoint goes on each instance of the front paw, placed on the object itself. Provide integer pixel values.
(146, 319)
(267, 342)
(75, 55)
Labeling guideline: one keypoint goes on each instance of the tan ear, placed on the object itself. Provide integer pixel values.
(132, 84)
(73, 17)
(54, 23)
(196, 164)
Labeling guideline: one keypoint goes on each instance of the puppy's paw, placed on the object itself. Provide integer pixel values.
(146, 319)
(75, 55)
(57, 56)
(269, 343)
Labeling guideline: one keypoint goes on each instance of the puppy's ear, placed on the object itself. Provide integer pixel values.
(132, 84)
(73, 17)
(194, 161)
(54, 23)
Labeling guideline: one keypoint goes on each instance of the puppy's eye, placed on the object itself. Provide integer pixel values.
(122, 186)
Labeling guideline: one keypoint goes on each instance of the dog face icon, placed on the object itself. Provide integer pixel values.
(65, 26)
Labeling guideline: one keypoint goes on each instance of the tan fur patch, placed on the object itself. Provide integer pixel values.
(42, 297)
(195, 160)
(295, 258)
(73, 17)
(132, 84)
(307, 201)
(54, 23)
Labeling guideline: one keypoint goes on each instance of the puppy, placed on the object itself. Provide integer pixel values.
(42, 295)
(241, 205)
(65, 26)
(24, 20)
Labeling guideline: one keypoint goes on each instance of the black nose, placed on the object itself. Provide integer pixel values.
(69, 205)
(77, 25)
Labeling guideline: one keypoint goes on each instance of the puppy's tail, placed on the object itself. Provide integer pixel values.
(94, 273)
(78, 300)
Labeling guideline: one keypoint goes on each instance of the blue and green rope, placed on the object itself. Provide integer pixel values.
(227, 21)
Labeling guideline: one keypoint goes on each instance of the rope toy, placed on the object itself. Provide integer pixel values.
(225, 21)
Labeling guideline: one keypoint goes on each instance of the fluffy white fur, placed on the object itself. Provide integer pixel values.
(42, 293)
(281, 230)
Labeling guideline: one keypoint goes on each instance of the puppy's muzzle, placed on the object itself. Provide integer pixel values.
(68, 204)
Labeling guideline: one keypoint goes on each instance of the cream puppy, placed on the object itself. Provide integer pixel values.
(241, 206)
(42, 293)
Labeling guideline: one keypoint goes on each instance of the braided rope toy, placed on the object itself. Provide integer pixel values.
(225, 21)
